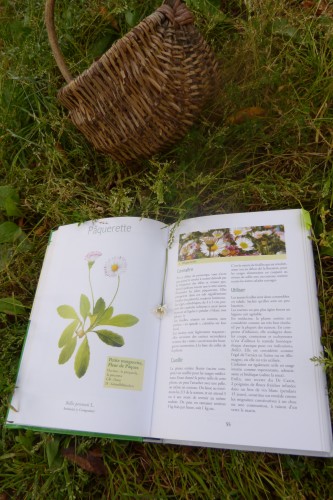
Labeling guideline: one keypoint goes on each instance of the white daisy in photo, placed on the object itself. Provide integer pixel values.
(258, 234)
(212, 248)
(244, 244)
(281, 235)
(115, 266)
(188, 249)
(239, 231)
(209, 240)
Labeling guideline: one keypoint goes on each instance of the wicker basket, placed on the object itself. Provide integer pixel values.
(145, 92)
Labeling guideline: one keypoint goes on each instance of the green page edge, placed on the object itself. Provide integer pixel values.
(73, 432)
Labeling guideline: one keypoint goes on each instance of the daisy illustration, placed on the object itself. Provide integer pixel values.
(92, 319)
(91, 257)
(115, 266)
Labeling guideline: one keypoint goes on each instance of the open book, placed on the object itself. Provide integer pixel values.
(198, 334)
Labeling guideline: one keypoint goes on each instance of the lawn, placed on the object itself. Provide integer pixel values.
(264, 143)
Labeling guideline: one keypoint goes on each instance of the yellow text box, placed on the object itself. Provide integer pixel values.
(124, 373)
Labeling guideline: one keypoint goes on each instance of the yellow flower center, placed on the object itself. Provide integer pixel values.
(244, 245)
(114, 268)
(213, 248)
(237, 232)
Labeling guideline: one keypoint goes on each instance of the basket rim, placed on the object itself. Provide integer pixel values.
(160, 14)
(96, 65)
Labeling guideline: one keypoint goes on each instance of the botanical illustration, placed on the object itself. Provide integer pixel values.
(232, 242)
(92, 318)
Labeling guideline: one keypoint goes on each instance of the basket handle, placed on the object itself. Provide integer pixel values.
(169, 8)
(58, 56)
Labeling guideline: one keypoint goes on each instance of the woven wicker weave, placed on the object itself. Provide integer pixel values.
(145, 92)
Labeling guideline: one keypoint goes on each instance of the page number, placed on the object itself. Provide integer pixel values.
(228, 424)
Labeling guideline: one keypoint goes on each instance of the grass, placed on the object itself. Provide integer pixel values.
(275, 57)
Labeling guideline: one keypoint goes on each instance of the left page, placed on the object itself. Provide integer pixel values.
(89, 359)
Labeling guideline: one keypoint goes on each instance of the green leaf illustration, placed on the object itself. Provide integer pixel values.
(106, 316)
(68, 333)
(84, 306)
(99, 306)
(67, 312)
(92, 319)
(67, 351)
(123, 320)
(82, 357)
(110, 338)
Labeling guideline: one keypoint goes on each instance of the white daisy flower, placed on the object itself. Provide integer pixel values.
(212, 249)
(244, 244)
(239, 231)
(267, 232)
(258, 235)
(217, 233)
(115, 266)
(209, 240)
(188, 249)
(160, 311)
(281, 235)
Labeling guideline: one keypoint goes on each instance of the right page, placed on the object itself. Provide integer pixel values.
(240, 329)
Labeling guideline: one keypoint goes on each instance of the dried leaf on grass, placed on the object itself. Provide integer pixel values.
(91, 461)
(110, 18)
(323, 8)
(41, 230)
(246, 114)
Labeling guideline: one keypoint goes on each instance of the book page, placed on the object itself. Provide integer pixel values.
(240, 328)
(90, 355)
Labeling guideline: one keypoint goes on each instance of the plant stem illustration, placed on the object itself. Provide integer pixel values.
(91, 317)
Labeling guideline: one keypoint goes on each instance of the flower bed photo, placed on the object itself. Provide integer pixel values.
(232, 242)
